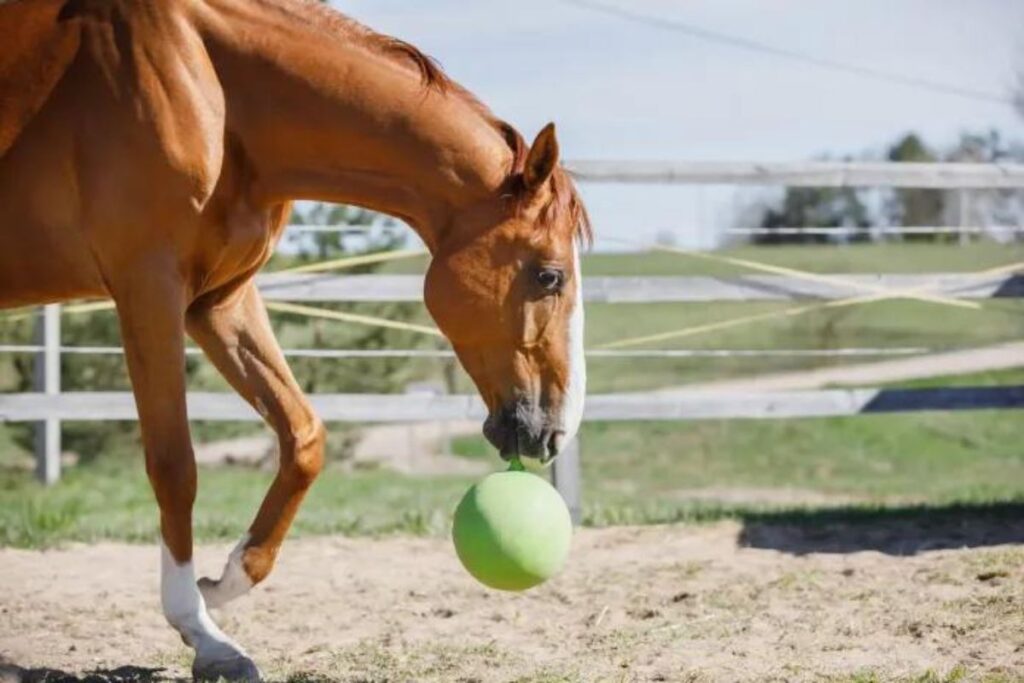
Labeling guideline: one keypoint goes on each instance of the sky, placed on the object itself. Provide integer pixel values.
(619, 89)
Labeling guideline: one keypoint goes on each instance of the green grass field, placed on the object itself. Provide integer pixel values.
(861, 258)
(634, 473)
(643, 472)
(111, 499)
(882, 324)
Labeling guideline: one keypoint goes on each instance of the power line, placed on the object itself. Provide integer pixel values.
(763, 48)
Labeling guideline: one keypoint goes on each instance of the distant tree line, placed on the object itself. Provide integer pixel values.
(860, 209)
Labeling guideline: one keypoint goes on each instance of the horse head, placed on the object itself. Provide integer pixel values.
(505, 287)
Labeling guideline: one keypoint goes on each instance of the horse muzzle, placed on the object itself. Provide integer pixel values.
(521, 429)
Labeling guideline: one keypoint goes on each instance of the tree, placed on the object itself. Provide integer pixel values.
(375, 234)
(810, 207)
(914, 207)
(383, 231)
(803, 207)
(990, 207)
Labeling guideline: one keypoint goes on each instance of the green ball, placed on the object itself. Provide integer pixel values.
(512, 531)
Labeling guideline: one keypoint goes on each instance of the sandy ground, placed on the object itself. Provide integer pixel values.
(672, 603)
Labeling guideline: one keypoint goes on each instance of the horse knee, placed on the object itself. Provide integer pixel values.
(302, 451)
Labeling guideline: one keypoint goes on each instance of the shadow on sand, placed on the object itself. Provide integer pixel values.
(904, 530)
(10, 673)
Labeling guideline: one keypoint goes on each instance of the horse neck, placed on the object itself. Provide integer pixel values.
(321, 116)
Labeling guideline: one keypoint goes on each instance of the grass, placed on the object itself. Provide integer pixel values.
(981, 379)
(634, 473)
(644, 472)
(881, 324)
(861, 258)
(957, 674)
(111, 499)
(638, 473)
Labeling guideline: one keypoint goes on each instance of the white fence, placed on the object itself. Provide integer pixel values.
(951, 176)
(424, 407)
(660, 289)
(48, 406)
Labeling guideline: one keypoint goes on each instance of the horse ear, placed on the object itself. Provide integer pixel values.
(542, 158)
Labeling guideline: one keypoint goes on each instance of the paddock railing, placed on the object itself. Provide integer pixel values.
(48, 406)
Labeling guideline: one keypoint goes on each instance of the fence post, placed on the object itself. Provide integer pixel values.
(47, 380)
(565, 476)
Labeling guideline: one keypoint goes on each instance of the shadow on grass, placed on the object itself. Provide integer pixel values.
(122, 674)
(906, 530)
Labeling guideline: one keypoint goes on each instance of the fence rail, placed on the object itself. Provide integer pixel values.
(947, 176)
(880, 231)
(425, 407)
(47, 406)
(841, 231)
(657, 289)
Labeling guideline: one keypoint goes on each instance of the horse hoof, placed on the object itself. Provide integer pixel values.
(239, 668)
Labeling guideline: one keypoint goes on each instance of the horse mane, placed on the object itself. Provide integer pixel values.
(332, 21)
(564, 205)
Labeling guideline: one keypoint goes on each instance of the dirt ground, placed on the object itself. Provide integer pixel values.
(726, 602)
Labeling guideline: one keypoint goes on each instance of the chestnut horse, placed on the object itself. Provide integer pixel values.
(149, 152)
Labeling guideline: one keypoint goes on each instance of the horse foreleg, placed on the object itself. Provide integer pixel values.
(151, 311)
(236, 335)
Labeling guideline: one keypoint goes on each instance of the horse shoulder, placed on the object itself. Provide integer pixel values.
(182, 95)
(36, 50)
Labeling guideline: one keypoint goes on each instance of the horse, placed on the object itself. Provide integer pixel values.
(149, 154)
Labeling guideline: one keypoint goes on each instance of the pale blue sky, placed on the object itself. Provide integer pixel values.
(618, 89)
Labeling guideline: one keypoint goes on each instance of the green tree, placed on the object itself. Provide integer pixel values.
(802, 207)
(1001, 207)
(377, 232)
(913, 206)
(815, 207)
(371, 233)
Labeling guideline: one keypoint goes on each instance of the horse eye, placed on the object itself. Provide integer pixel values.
(550, 279)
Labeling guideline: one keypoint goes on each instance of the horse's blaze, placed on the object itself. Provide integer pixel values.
(576, 389)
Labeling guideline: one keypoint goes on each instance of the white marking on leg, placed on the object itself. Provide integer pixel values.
(575, 392)
(233, 583)
(186, 611)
